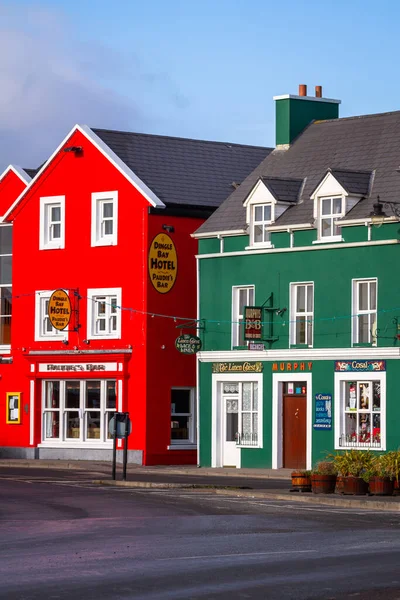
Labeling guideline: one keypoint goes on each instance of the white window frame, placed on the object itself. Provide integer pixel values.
(358, 376)
(356, 312)
(98, 237)
(263, 223)
(41, 318)
(6, 347)
(45, 239)
(83, 440)
(295, 314)
(108, 293)
(332, 216)
(217, 412)
(236, 316)
(192, 419)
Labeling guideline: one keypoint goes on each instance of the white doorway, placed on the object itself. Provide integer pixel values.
(230, 428)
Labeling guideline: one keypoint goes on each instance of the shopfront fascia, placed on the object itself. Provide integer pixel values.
(72, 399)
(319, 401)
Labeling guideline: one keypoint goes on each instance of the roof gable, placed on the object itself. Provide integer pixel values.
(109, 154)
(18, 171)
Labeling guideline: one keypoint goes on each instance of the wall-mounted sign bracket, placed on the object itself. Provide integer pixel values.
(198, 324)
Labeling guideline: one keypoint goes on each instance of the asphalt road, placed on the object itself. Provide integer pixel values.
(64, 538)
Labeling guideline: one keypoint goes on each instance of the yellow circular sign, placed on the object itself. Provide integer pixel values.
(59, 310)
(163, 263)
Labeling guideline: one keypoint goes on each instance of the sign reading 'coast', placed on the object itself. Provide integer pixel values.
(234, 367)
(163, 263)
(188, 344)
(59, 310)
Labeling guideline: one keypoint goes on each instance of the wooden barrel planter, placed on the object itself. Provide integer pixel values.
(323, 484)
(354, 486)
(339, 484)
(381, 486)
(300, 482)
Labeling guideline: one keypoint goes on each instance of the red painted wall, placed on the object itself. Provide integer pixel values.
(150, 371)
(167, 367)
(11, 186)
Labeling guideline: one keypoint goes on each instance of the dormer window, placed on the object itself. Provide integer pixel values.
(331, 209)
(262, 217)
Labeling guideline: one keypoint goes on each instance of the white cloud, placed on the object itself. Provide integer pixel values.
(49, 80)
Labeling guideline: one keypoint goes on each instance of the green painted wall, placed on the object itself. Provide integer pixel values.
(331, 271)
(235, 243)
(280, 240)
(204, 385)
(293, 115)
(209, 246)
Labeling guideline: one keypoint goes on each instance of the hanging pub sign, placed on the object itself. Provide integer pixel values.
(188, 344)
(13, 406)
(323, 411)
(253, 323)
(360, 365)
(59, 310)
(163, 263)
(236, 367)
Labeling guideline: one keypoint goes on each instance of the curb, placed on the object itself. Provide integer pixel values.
(318, 500)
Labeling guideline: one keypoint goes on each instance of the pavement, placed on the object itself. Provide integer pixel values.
(272, 484)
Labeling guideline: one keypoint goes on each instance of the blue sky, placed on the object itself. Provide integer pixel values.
(193, 68)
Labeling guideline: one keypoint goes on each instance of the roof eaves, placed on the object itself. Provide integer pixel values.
(19, 172)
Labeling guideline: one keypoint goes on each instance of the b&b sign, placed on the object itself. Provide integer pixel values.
(253, 323)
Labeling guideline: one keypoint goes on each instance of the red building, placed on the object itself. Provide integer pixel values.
(108, 220)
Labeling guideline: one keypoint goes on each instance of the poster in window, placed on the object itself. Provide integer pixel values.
(13, 407)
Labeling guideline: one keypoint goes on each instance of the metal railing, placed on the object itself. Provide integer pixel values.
(246, 439)
(358, 441)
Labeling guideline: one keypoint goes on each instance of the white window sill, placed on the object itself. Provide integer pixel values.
(52, 338)
(260, 246)
(5, 349)
(78, 444)
(249, 446)
(53, 247)
(329, 240)
(104, 243)
(182, 447)
(104, 337)
(361, 447)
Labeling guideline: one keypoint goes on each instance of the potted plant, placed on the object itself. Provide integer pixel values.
(354, 469)
(385, 470)
(301, 481)
(323, 478)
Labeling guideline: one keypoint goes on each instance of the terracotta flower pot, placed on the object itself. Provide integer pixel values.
(381, 486)
(354, 486)
(323, 484)
(300, 482)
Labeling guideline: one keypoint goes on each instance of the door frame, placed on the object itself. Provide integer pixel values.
(277, 415)
(217, 413)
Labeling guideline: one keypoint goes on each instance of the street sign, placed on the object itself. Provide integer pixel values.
(120, 420)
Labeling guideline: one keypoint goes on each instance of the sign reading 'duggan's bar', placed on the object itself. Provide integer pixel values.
(235, 367)
(253, 323)
(323, 411)
(360, 365)
(188, 344)
(59, 310)
(163, 263)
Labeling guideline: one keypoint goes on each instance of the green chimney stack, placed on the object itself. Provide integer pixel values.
(294, 113)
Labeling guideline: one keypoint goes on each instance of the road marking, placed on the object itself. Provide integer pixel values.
(238, 555)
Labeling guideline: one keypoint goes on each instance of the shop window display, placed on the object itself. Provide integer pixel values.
(361, 417)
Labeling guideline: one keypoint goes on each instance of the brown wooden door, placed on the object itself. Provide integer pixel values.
(294, 432)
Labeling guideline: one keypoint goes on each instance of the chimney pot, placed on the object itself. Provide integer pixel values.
(302, 90)
(318, 91)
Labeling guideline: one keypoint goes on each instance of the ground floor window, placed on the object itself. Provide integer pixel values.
(241, 406)
(182, 416)
(78, 410)
(361, 405)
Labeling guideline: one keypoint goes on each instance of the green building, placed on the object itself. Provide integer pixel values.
(299, 296)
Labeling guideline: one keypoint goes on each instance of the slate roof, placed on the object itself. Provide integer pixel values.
(283, 190)
(366, 144)
(183, 171)
(31, 172)
(354, 182)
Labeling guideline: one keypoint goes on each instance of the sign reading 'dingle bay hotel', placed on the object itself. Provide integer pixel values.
(163, 263)
(59, 309)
